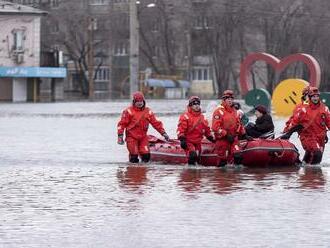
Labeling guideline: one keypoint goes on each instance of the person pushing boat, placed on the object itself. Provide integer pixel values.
(135, 122)
(191, 128)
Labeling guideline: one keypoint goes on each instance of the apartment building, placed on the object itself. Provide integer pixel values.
(172, 35)
(21, 73)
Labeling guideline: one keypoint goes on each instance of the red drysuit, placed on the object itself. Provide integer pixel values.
(225, 123)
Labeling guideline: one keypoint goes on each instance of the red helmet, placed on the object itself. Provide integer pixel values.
(228, 94)
(138, 97)
(313, 91)
(305, 91)
(194, 100)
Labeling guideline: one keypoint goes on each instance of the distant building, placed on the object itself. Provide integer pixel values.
(173, 42)
(20, 73)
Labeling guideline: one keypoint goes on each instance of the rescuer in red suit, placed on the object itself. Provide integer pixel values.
(192, 127)
(312, 123)
(134, 122)
(304, 102)
(227, 129)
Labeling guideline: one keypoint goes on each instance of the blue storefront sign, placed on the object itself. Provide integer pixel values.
(33, 72)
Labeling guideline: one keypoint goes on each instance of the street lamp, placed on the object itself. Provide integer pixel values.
(134, 44)
(90, 56)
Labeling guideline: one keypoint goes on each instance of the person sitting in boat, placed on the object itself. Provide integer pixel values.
(311, 122)
(243, 117)
(298, 107)
(191, 128)
(227, 128)
(264, 123)
(134, 122)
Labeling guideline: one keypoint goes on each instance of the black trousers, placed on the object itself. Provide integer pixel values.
(251, 131)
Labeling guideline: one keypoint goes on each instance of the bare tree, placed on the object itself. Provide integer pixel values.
(163, 40)
(76, 25)
(287, 29)
(174, 32)
(222, 38)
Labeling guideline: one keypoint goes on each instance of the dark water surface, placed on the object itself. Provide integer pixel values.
(119, 205)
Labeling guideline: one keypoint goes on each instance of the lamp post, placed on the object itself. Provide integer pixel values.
(134, 44)
(133, 47)
(90, 57)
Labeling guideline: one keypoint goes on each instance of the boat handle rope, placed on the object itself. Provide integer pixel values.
(280, 154)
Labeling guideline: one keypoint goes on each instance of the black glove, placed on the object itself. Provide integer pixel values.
(166, 137)
(246, 137)
(183, 143)
(286, 136)
(296, 128)
(120, 140)
(210, 138)
(326, 139)
(230, 138)
(291, 131)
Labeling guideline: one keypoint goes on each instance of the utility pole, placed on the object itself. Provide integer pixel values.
(90, 58)
(134, 47)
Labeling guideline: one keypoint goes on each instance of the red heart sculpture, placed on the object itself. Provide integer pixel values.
(280, 64)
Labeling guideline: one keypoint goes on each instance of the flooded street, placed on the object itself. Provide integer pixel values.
(66, 183)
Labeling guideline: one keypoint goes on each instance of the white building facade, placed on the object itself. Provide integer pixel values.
(20, 70)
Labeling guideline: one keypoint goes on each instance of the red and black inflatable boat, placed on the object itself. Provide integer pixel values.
(254, 153)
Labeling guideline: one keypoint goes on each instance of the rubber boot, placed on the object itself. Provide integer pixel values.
(317, 157)
(145, 157)
(133, 158)
(238, 159)
(192, 159)
(222, 163)
(307, 157)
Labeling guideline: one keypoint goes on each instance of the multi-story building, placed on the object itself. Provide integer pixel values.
(73, 32)
(21, 73)
(175, 40)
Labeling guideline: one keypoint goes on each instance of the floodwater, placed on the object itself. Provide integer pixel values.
(64, 182)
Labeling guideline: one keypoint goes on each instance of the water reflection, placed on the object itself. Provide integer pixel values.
(209, 180)
(224, 181)
(192, 180)
(132, 177)
(195, 180)
(266, 178)
(312, 178)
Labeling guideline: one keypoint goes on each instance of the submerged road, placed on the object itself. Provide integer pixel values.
(65, 183)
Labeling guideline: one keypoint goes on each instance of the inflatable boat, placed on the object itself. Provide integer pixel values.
(255, 153)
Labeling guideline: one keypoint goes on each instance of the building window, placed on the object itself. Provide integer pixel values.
(155, 51)
(28, 2)
(54, 28)
(200, 73)
(102, 74)
(101, 86)
(206, 74)
(18, 36)
(56, 47)
(92, 23)
(98, 2)
(120, 1)
(54, 3)
(121, 49)
(76, 79)
(201, 22)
